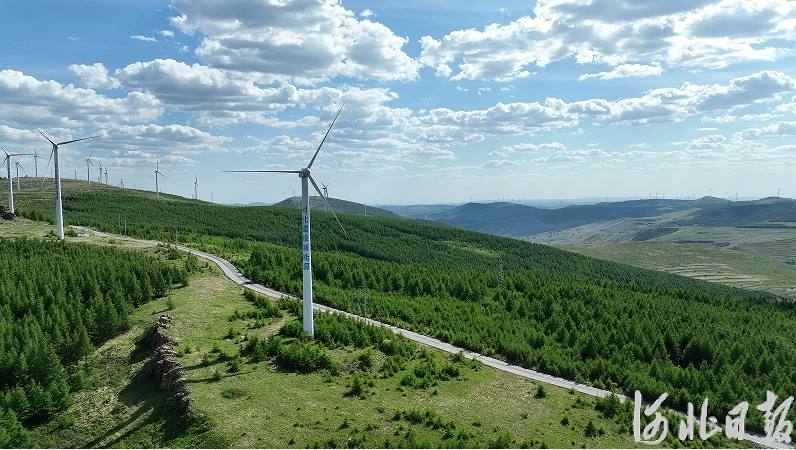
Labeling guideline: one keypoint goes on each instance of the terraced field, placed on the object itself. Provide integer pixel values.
(705, 262)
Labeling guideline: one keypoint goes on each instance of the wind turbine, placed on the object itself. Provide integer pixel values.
(36, 158)
(306, 256)
(7, 162)
(88, 161)
(23, 169)
(157, 172)
(99, 178)
(106, 174)
(195, 184)
(59, 214)
(325, 193)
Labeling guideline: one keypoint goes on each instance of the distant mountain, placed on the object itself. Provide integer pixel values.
(515, 220)
(340, 207)
(248, 204)
(766, 212)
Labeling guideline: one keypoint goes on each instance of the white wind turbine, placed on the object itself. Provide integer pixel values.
(305, 230)
(195, 192)
(59, 212)
(325, 193)
(23, 169)
(36, 159)
(88, 161)
(99, 178)
(157, 172)
(106, 174)
(7, 162)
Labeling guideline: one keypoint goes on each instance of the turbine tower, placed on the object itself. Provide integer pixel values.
(7, 162)
(106, 174)
(88, 161)
(157, 172)
(36, 158)
(59, 213)
(99, 178)
(195, 192)
(23, 169)
(305, 228)
(325, 193)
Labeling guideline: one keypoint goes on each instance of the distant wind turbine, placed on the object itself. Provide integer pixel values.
(157, 172)
(36, 158)
(88, 161)
(59, 214)
(325, 193)
(99, 178)
(23, 169)
(7, 162)
(106, 174)
(195, 192)
(305, 223)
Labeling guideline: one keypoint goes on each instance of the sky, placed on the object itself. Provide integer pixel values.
(441, 101)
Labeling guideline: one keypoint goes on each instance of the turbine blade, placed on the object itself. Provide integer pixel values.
(75, 140)
(324, 138)
(330, 206)
(45, 136)
(269, 171)
(23, 169)
(92, 164)
(47, 168)
(4, 149)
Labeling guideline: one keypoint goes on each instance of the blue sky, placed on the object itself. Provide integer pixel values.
(444, 101)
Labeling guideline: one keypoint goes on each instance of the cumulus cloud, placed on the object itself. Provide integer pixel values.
(625, 71)
(158, 140)
(495, 163)
(631, 35)
(52, 103)
(167, 33)
(675, 104)
(299, 38)
(776, 130)
(92, 76)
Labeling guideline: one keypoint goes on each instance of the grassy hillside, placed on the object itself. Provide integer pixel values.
(599, 322)
(704, 262)
(264, 404)
(340, 207)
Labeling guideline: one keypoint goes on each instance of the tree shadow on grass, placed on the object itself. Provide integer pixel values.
(152, 426)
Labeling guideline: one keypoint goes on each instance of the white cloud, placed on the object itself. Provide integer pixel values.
(95, 75)
(698, 34)
(51, 103)
(167, 33)
(532, 148)
(777, 130)
(295, 39)
(158, 140)
(143, 38)
(366, 13)
(625, 71)
(494, 163)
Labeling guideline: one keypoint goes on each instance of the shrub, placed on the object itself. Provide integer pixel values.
(541, 392)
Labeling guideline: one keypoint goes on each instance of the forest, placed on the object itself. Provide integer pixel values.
(598, 322)
(58, 301)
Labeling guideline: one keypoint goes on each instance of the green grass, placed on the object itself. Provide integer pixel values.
(264, 405)
(704, 262)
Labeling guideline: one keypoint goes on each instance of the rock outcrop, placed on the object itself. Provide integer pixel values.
(164, 368)
(6, 213)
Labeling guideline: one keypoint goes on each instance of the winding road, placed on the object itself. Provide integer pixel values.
(231, 272)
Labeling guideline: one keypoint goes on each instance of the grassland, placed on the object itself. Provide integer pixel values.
(704, 262)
